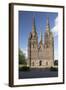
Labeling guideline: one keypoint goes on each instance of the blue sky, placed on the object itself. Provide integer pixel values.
(25, 27)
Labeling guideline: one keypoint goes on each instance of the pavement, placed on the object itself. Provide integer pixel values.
(37, 73)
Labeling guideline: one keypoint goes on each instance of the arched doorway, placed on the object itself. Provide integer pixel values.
(40, 63)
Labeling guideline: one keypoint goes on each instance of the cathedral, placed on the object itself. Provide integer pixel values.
(41, 54)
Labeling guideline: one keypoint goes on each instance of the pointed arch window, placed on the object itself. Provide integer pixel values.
(32, 63)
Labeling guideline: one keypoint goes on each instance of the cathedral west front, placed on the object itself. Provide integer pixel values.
(41, 54)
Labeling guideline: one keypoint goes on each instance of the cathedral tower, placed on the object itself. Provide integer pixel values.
(33, 45)
(48, 45)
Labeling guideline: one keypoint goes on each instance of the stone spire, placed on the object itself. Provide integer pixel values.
(47, 24)
(41, 37)
(33, 27)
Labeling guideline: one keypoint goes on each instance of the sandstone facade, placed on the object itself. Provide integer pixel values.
(41, 54)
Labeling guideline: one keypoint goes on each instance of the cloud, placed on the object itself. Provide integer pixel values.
(55, 28)
(55, 34)
(25, 51)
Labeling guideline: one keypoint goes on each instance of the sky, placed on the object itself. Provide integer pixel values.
(25, 27)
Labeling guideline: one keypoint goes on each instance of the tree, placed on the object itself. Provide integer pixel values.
(56, 62)
(22, 59)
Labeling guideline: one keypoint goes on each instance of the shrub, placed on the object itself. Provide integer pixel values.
(56, 62)
(24, 68)
(53, 69)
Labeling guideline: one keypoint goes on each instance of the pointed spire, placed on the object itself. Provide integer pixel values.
(41, 36)
(33, 25)
(47, 24)
(41, 41)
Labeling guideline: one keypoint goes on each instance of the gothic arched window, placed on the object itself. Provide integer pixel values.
(32, 63)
